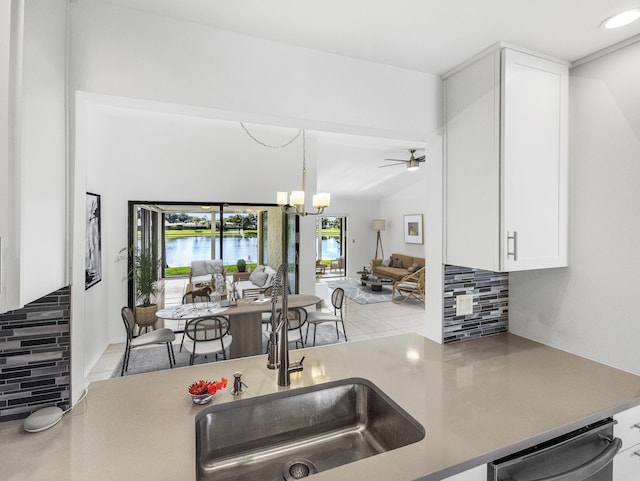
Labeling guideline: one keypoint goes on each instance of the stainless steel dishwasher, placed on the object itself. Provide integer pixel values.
(582, 455)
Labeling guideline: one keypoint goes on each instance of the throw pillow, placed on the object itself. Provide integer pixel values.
(397, 263)
(386, 262)
(270, 275)
(413, 268)
(258, 277)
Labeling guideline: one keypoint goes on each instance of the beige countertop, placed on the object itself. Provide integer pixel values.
(478, 400)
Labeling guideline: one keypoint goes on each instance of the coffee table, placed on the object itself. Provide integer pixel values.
(376, 283)
(364, 275)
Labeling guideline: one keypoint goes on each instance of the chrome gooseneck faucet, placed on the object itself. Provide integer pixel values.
(279, 357)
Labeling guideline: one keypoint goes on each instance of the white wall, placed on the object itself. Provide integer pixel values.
(128, 53)
(590, 308)
(410, 200)
(423, 197)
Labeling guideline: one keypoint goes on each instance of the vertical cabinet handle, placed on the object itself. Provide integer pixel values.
(514, 238)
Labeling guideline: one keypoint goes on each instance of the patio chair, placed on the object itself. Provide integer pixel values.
(410, 286)
(202, 271)
(206, 336)
(337, 264)
(320, 317)
(159, 336)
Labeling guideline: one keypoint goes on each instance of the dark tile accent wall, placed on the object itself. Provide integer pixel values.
(490, 292)
(35, 356)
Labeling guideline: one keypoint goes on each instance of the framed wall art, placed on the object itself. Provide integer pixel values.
(413, 229)
(93, 249)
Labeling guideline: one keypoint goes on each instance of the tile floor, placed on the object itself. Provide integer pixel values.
(365, 321)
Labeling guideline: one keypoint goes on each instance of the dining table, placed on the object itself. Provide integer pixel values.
(245, 318)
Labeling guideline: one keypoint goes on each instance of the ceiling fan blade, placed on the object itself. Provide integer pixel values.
(390, 165)
(421, 158)
(396, 160)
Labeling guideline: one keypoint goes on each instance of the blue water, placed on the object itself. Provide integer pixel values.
(330, 248)
(182, 250)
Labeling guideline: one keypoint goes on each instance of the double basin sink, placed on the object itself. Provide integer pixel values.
(296, 433)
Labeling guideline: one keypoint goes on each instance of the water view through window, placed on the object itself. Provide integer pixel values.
(181, 251)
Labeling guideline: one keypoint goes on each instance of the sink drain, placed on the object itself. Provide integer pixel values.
(298, 469)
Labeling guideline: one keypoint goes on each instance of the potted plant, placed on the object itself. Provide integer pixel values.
(144, 271)
(242, 265)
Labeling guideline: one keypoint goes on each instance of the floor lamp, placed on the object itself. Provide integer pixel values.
(378, 225)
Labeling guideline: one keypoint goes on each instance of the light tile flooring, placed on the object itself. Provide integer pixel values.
(362, 321)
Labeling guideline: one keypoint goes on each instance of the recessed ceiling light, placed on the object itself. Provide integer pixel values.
(621, 19)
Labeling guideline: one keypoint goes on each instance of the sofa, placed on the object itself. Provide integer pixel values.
(398, 265)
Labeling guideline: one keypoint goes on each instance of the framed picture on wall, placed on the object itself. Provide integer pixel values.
(413, 229)
(93, 248)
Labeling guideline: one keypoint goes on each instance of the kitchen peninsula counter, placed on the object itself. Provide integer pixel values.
(477, 400)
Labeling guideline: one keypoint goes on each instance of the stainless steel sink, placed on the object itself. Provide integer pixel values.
(293, 434)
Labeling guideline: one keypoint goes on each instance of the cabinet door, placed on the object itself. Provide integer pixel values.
(10, 64)
(472, 168)
(479, 473)
(534, 162)
(626, 464)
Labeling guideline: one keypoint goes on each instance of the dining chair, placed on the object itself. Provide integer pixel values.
(159, 336)
(316, 318)
(206, 336)
(191, 297)
(296, 320)
(266, 316)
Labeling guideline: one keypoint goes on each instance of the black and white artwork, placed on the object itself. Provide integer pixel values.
(93, 252)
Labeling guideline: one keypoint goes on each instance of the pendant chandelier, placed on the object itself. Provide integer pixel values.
(295, 203)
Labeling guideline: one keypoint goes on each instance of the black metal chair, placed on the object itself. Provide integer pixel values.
(297, 318)
(192, 297)
(315, 318)
(207, 335)
(159, 336)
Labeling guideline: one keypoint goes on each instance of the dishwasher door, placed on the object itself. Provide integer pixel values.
(582, 455)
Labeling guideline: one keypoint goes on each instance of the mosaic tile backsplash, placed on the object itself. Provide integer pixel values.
(34, 356)
(490, 292)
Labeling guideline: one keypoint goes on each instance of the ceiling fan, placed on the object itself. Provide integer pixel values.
(412, 164)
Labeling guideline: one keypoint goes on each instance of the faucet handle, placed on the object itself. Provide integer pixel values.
(296, 366)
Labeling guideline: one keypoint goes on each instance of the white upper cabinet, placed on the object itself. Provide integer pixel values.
(506, 158)
(33, 166)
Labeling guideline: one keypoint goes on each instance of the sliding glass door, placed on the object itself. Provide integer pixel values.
(331, 246)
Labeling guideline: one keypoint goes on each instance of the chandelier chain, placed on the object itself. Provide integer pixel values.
(271, 146)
